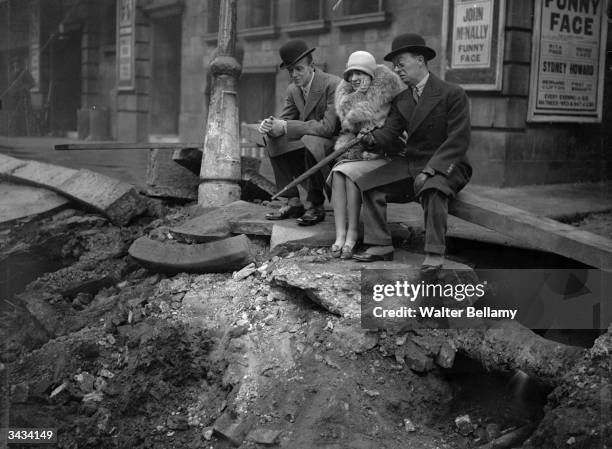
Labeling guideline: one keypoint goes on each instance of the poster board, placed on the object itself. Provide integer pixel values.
(126, 33)
(568, 61)
(473, 43)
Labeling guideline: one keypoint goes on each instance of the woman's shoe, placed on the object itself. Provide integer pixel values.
(347, 252)
(335, 251)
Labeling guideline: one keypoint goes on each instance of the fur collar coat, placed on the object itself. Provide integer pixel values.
(357, 110)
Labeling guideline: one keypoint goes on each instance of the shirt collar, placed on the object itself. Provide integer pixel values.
(306, 89)
(421, 84)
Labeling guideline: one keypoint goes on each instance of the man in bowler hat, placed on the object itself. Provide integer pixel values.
(303, 132)
(435, 116)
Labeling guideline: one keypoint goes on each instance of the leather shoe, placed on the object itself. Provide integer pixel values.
(311, 217)
(336, 251)
(370, 257)
(286, 212)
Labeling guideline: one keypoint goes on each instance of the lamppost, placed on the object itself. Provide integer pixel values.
(220, 171)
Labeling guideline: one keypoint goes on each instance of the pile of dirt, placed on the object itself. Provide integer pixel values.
(116, 356)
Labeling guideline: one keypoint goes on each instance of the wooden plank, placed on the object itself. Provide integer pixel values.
(542, 233)
(125, 146)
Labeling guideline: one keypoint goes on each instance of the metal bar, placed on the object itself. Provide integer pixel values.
(126, 146)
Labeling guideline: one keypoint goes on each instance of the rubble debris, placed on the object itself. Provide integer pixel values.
(334, 286)
(446, 356)
(464, 425)
(510, 439)
(20, 393)
(245, 272)
(171, 257)
(508, 346)
(409, 426)
(579, 407)
(351, 337)
(264, 436)
(232, 429)
(118, 201)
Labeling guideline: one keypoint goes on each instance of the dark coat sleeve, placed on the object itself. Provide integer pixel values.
(457, 140)
(290, 110)
(387, 137)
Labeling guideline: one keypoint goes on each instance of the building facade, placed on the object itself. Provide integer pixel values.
(136, 70)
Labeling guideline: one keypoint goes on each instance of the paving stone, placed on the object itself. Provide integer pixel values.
(171, 257)
(217, 222)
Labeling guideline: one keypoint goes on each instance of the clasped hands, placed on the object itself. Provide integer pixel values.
(368, 141)
(272, 126)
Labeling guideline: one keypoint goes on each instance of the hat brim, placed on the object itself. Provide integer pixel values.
(289, 64)
(427, 52)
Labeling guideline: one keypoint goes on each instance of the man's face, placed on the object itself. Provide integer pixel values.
(409, 67)
(301, 72)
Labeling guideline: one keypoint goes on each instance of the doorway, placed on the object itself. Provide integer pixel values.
(166, 76)
(65, 83)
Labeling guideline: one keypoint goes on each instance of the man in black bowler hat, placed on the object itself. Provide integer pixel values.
(435, 116)
(303, 132)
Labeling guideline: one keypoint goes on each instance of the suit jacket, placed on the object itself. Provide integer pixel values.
(438, 135)
(311, 124)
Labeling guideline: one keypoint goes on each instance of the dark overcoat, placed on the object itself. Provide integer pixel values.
(437, 136)
(311, 124)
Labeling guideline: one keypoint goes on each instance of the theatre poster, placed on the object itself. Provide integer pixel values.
(473, 43)
(568, 61)
(126, 32)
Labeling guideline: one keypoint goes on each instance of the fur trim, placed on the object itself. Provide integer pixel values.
(357, 110)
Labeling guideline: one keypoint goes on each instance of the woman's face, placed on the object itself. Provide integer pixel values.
(358, 79)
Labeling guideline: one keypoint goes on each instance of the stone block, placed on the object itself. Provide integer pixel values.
(166, 178)
(172, 257)
(290, 235)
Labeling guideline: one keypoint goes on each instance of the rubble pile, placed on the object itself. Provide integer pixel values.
(118, 355)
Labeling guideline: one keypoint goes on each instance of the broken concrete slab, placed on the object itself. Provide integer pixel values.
(118, 201)
(166, 178)
(354, 338)
(264, 436)
(172, 257)
(336, 285)
(293, 236)
(217, 223)
(20, 201)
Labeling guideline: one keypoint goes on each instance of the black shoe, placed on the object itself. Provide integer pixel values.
(369, 257)
(311, 217)
(286, 212)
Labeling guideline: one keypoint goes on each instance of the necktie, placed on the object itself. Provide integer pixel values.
(415, 94)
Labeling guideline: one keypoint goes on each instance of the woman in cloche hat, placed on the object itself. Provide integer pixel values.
(362, 102)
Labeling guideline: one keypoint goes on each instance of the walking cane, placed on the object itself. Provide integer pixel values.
(318, 166)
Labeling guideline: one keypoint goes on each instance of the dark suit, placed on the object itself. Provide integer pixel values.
(311, 125)
(438, 136)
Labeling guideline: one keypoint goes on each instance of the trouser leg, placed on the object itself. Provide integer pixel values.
(435, 211)
(286, 168)
(314, 185)
(374, 214)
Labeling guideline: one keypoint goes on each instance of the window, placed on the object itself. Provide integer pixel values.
(302, 11)
(213, 12)
(258, 13)
(354, 7)
(359, 13)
